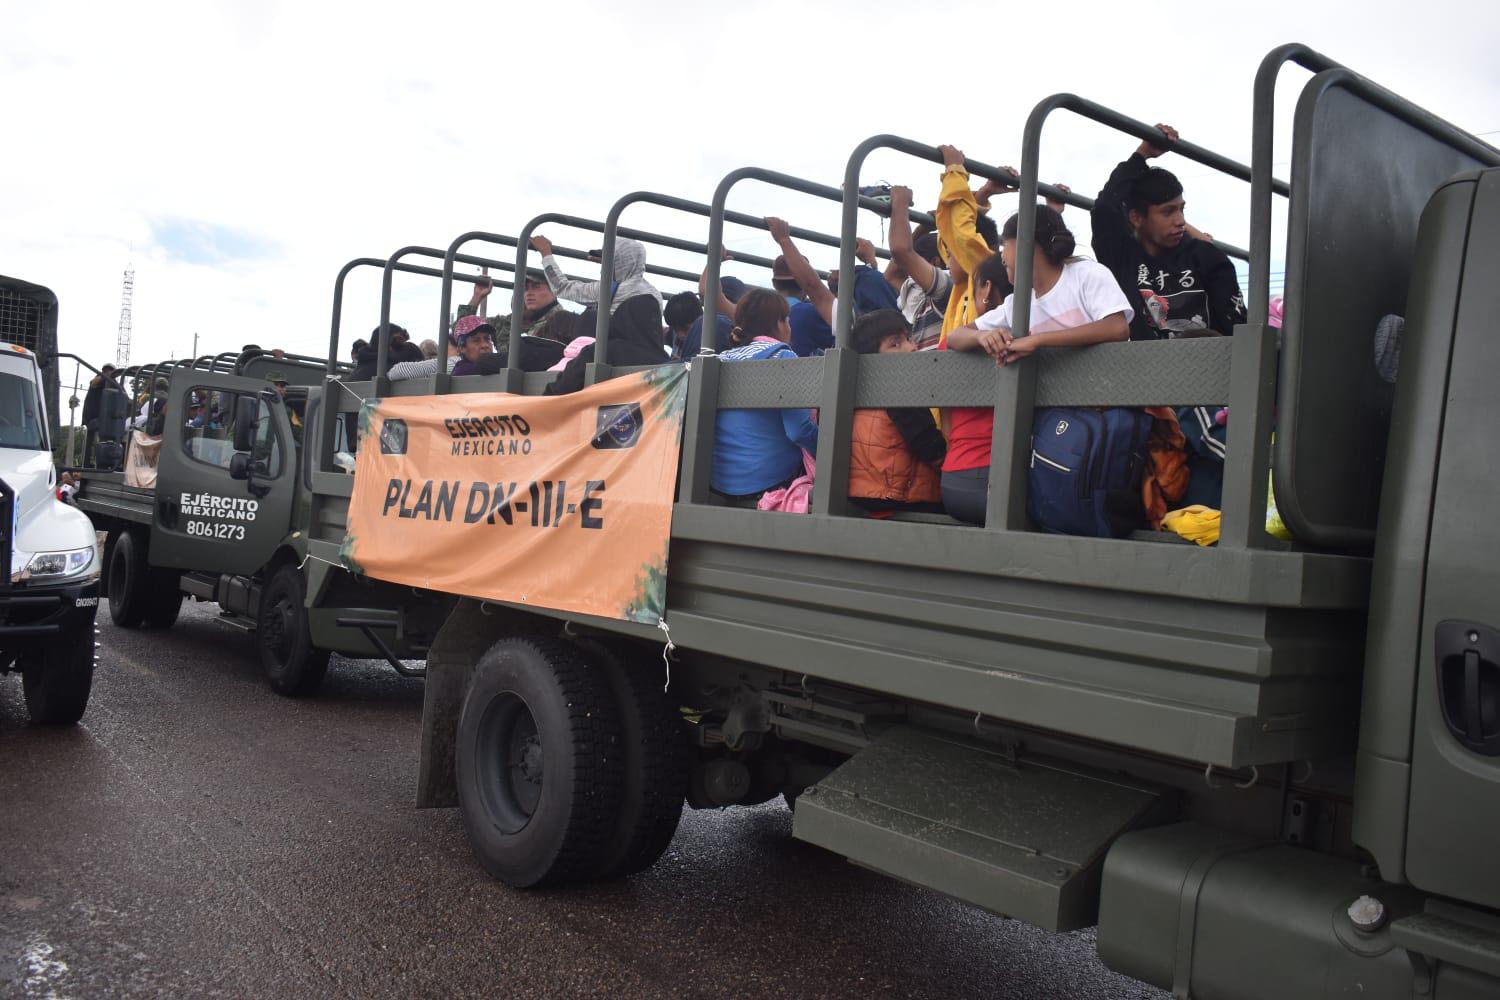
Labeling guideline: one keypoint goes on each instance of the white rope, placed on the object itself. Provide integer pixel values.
(341, 385)
(326, 562)
(667, 651)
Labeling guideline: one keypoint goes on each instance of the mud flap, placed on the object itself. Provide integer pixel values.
(1021, 836)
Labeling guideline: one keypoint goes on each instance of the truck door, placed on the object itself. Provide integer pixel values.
(204, 519)
(1454, 818)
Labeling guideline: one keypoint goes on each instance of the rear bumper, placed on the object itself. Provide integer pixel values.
(38, 614)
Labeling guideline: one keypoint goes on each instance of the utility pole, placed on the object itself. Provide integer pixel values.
(73, 415)
(195, 345)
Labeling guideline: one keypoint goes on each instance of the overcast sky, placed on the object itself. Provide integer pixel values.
(237, 154)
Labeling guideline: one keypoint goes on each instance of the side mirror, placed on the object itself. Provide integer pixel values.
(246, 411)
(240, 462)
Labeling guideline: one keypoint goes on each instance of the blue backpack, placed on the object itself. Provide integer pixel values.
(1086, 470)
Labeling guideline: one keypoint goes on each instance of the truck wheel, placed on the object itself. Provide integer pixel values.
(163, 598)
(292, 663)
(538, 763)
(125, 580)
(654, 759)
(57, 678)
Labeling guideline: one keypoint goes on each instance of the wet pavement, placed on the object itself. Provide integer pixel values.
(199, 835)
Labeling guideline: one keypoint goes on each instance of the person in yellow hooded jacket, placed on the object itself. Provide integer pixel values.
(967, 237)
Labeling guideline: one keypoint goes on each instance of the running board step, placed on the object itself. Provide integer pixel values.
(236, 621)
(1024, 837)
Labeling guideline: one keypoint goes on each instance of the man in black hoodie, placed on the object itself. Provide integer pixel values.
(1179, 284)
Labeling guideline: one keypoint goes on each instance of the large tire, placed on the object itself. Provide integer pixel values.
(125, 580)
(538, 763)
(57, 678)
(293, 665)
(163, 598)
(654, 759)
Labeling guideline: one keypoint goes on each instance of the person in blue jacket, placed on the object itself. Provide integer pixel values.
(759, 450)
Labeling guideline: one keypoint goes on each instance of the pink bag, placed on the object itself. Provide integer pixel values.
(796, 497)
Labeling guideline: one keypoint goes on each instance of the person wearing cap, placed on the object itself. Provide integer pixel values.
(537, 303)
(278, 379)
(473, 337)
(198, 416)
(785, 282)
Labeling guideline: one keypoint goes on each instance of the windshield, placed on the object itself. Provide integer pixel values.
(20, 420)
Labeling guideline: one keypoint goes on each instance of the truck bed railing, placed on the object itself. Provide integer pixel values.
(1364, 162)
(440, 380)
(380, 262)
(383, 337)
(711, 253)
(1239, 372)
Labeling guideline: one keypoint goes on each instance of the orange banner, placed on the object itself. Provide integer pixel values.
(561, 502)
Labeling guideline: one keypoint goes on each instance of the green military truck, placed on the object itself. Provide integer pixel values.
(220, 507)
(1263, 768)
(214, 504)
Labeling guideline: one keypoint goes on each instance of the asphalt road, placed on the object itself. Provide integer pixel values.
(198, 835)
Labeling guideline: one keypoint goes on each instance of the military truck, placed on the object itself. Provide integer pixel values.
(219, 508)
(1263, 768)
(214, 506)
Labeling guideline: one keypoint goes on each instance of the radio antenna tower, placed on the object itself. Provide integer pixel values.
(122, 342)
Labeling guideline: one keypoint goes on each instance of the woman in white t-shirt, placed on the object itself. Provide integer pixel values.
(1075, 302)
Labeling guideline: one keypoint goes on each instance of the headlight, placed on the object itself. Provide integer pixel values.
(58, 565)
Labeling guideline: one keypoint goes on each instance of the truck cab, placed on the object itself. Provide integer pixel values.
(50, 593)
(213, 506)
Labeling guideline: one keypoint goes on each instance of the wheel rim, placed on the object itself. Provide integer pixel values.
(511, 763)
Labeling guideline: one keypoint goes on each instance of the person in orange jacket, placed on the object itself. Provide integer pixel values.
(896, 452)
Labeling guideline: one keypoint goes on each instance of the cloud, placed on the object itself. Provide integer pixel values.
(191, 241)
(240, 154)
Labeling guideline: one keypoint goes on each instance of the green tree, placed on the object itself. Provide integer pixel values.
(60, 446)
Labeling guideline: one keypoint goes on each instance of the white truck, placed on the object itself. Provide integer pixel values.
(50, 595)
